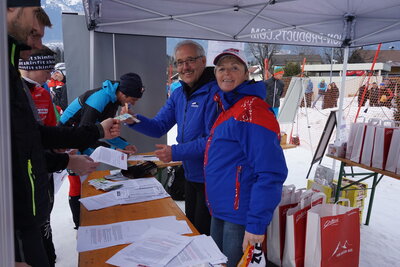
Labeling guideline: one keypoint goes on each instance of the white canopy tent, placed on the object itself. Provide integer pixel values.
(339, 23)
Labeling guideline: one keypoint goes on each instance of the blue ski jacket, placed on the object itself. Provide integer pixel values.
(194, 116)
(244, 163)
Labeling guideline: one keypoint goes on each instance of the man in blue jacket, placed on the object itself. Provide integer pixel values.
(192, 108)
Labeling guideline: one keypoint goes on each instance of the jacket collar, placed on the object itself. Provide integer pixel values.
(206, 77)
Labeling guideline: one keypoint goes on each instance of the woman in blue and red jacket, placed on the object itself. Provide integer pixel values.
(244, 163)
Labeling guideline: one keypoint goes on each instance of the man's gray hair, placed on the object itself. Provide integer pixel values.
(199, 48)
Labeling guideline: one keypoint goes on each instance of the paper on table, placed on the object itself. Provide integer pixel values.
(133, 191)
(101, 236)
(143, 158)
(155, 248)
(110, 156)
(202, 249)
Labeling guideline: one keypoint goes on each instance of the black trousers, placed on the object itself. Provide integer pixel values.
(75, 207)
(29, 247)
(195, 207)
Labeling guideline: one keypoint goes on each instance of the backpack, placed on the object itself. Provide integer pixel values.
(176, 182)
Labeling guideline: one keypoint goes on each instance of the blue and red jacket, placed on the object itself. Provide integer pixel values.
(244, 163)
(194, 115)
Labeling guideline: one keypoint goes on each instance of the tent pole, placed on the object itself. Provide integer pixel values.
(6, 212)
(91, 59)
(114, 59)
(342, 92)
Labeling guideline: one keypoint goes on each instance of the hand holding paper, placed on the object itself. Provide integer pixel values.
(111, 157)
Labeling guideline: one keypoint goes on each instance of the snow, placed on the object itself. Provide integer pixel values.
(379, 240)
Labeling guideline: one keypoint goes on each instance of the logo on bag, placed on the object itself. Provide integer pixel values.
(342, 249)
(332, 222)
(301, 216)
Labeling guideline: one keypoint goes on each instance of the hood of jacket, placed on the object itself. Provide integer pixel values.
(110, 89)
(247, 88)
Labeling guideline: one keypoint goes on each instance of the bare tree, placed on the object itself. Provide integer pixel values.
(338, 55)
(305, 50)
(263, 51)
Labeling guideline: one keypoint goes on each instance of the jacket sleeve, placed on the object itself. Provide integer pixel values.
(160, 124)
(56, 161)
(70, 137)
(265, 156)
(195, 148)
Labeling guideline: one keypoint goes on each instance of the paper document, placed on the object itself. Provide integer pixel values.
(156, 248)
(132, 191)
(102, 236)
(111, 157)
(202, 249)
(143, 158)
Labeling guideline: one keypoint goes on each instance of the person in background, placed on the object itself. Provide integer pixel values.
(275, 87)
(192, 108)
(322, 86)
(94, 106)
(58, 89)
(243, 182)
(374, 95)
(331, 96)
(36, 71)
(308, 94)
(363, 97)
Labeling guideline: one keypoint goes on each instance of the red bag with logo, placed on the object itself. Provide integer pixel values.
(296, 223)
(332, 236)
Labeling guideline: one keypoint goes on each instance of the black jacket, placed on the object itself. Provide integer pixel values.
(274, 91)
(28, 140)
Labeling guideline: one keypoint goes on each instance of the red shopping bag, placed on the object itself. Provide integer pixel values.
(276, 229)
(296, 223)
(368, 145)
(332, 236)
(394, 152)
(383, 138)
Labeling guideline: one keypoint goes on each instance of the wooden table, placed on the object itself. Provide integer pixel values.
(374, 172)
(136, 211)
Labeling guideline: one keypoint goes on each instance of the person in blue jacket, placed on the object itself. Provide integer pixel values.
(244, 163)
(192, 108)
(94, 106)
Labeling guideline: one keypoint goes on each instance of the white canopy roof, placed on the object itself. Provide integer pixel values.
(331, 23)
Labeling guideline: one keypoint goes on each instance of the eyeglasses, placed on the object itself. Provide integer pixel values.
(190, 61)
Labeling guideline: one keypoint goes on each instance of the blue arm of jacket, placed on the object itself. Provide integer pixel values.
(265, 156)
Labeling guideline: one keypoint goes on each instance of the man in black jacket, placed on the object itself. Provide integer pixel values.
(275, 87)
(29, 173)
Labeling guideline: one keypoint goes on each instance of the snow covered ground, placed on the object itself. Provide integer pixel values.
(379, 241)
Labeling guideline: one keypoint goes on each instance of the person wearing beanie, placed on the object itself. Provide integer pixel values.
(96, 105)
(36, 71)
(29, 139)
(274, 87)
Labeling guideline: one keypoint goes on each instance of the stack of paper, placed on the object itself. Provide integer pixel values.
(143, 158)
(159, 248)
(111, 157)
(102, 236)
(133, 191)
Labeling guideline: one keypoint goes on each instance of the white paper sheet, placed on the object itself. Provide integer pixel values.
(133, 191)
(156, 248)
(201, 250)
(101, 236)
(111, 157)
(143, 158)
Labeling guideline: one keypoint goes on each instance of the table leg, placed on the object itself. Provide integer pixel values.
(371, 198)
(339, 183)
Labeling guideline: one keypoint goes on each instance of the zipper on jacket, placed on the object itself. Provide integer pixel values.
(184, 120)
(31, 180)
(237, 187)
